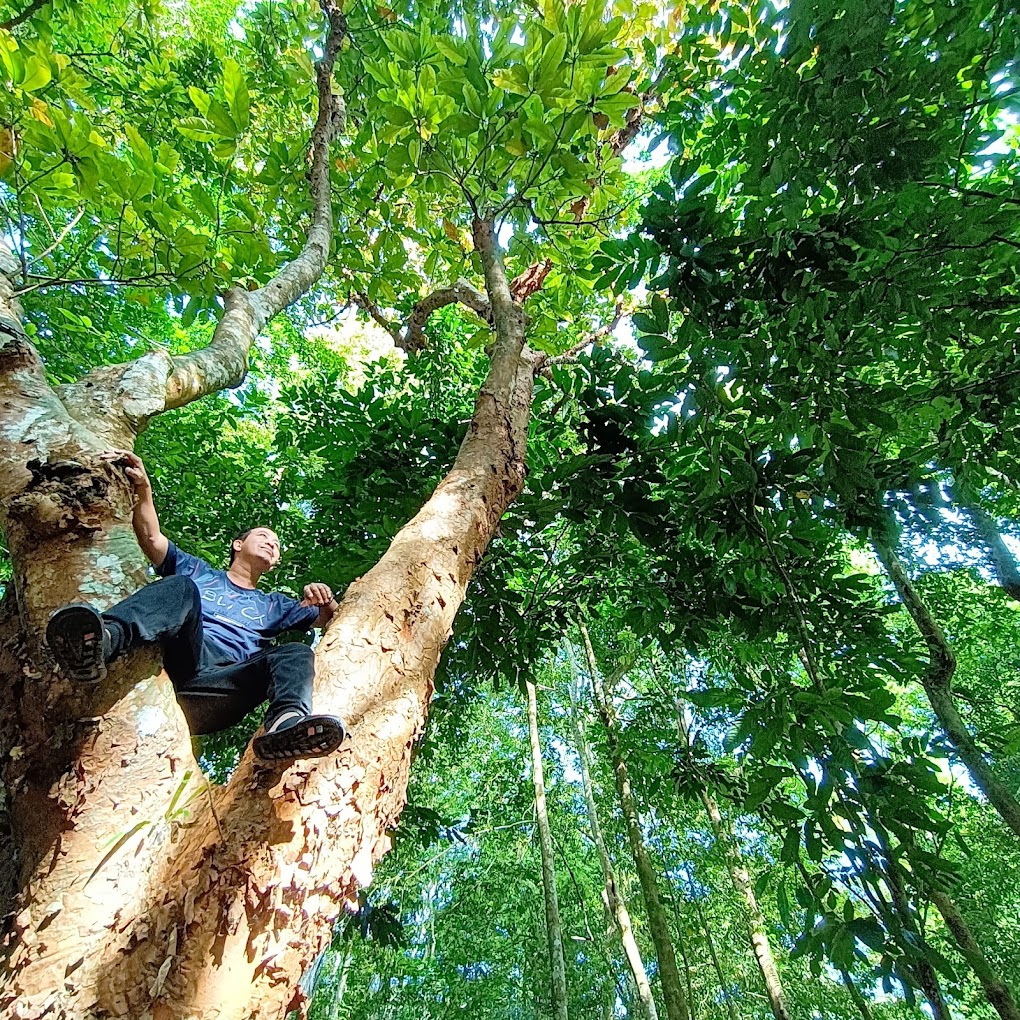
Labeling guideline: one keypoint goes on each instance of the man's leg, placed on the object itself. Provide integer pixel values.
(291, 731)
(167, 611)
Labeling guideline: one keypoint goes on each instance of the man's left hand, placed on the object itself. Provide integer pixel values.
(318, 594)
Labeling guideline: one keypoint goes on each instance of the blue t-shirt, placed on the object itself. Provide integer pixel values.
(237, 622)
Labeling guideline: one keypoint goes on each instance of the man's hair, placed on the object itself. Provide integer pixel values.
(237, 538)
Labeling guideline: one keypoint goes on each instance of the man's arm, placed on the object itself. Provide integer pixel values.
(321, 595)
(144, 519)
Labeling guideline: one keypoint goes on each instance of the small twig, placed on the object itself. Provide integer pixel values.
(150, 280)
(591, 338)
(59, 239)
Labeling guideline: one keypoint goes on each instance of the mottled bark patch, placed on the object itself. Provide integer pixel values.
(67, 497)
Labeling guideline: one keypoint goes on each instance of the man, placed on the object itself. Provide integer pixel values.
(215, 629)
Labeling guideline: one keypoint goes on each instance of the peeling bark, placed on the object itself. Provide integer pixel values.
(553, 926)
(212, 927)
(127, 905)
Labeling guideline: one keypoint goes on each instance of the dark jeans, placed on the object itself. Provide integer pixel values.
(170, 612)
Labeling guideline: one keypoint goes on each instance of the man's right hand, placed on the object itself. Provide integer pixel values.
(144, 520)
(133, 467)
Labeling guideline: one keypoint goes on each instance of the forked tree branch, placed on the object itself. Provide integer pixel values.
(139, 390)
(412, 336)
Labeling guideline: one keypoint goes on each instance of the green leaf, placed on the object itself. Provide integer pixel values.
(551, 68)
(140, 148)
(200, 99)
(235, 89)
(37, 74)
(471, 99)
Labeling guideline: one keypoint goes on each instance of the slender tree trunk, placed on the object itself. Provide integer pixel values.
(744, 887)
(673, 996)
(681, 944)
(938, 685)
(553, 927)
(1007, 574)
(904, 918)
(996, 990)
(716, 964)
(741, 879)
(859, 1001)
(614, 901)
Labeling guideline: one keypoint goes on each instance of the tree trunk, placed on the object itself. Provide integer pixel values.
(614, 901)
(859, 1001)
(996, 990)
(741, 879)
(938, 685)
(716, 964)
(1006, 572)
(553, 927)
(130, 905)
(669, 976)
(903, 917)
(742, 884)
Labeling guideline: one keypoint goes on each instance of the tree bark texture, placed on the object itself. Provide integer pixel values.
(938, 686)
(143, 892)
(996, 990)
(673, 997)
(553, 927)
(614, 901)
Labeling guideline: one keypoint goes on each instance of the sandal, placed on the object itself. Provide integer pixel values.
(75, 636)
(309, 736)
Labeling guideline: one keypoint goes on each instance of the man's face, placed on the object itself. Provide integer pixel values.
(262, 546)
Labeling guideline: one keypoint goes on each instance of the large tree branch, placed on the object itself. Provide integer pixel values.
(412, 336)
(137, 391)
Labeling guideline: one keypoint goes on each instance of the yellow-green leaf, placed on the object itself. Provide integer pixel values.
(235, 89)
(37, 74)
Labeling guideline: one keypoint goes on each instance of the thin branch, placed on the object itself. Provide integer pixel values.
(363, 301)
(159, 383)
(975, 192)
(591, 338)
(412, 337)
(460, 292)
(24, 15)
(149, 280)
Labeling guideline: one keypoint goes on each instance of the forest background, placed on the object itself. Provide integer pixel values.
(728, 723)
